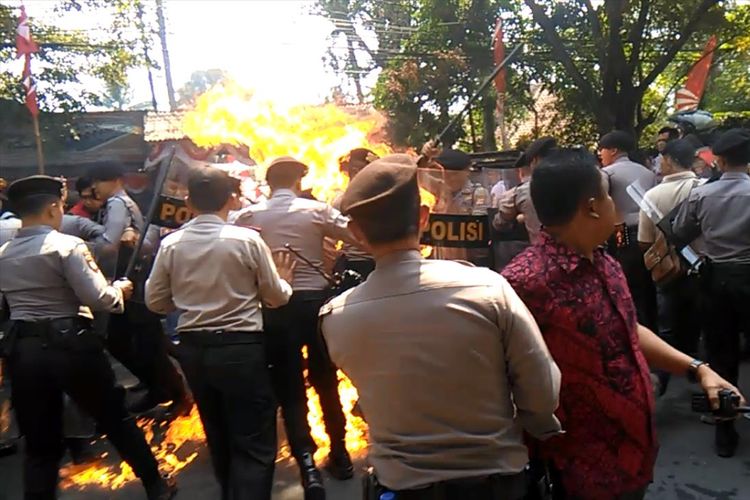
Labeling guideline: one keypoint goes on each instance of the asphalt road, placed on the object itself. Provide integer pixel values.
(687, 469)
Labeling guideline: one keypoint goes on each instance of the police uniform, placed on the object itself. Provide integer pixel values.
(136, 337)
(303, 224)
(471, 199)
(720, 211)
(517, 201)
(449, 365)
(218, 275)
(50, 282)
(623, 246)
(352, 257)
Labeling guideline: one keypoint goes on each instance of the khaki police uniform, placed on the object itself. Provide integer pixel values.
(284, 219)
(50, 283)
(135, 338)
(219, 275)
(449, 364)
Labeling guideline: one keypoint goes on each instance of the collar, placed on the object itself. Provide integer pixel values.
(734, 175)
(621, 159)
(679, 176)
(34, 230)
(398, 257)
(208, 219)
(284, 193)
(564, 256)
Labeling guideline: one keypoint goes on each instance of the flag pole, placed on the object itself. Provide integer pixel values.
(39, 151)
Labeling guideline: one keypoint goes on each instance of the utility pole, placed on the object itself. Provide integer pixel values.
(165, 53)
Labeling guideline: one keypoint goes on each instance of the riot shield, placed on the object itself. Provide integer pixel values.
(459, 224)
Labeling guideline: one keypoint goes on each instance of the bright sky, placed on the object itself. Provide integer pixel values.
(275, 47)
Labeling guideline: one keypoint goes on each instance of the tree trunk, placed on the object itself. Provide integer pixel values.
(165, 54)
(488, 124)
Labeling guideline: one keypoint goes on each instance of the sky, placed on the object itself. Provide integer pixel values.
(275, 47)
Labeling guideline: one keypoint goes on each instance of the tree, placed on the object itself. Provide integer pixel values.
(200, 81)
(68, 61)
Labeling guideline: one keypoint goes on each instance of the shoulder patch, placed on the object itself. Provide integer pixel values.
(90, 259)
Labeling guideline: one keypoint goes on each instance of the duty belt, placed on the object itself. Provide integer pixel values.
(208, 338)
(61, 327)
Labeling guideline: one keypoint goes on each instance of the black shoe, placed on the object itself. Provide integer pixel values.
(727, 439)
(339, 465)
(181, 408)
(664, 378)
(312, 481)
(164, 489)
(8, 448)
(145, 403)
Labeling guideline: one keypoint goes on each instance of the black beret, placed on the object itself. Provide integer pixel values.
(539, 148)
(617, 139)
(34, 185)
(386, 181)
(214, 182)
(287, 162)
(734, 141)
(453, 159)
(106, 172)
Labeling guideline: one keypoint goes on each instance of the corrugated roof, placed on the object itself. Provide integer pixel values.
(163, 126)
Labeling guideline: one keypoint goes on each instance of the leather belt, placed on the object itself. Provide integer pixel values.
(209, 338)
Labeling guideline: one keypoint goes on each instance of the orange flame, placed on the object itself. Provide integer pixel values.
(316, 135)
(175, 445)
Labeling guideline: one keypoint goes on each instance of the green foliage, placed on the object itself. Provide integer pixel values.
(611, 64)
(200, 81)
(78, 69)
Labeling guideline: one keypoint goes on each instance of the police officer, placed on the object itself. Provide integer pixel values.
(516, 204)
(50, 281)
(720, 211)
(354, 258)
(136, 337)
(449, 364)
(219, 275)
(621, 172)
(303, 224)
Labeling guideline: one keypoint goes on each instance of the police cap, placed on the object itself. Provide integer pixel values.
(287, 162)
(390, 181)
(358, 157)
(107, 172)
(35, 185)
(734, 143)
(453, 159)
(539, 148)
(617, 139)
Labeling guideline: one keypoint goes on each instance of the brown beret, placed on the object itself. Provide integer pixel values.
(287, 162)
(386, 181)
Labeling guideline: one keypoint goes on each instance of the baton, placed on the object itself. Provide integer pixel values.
(150, 215)
(330, 279)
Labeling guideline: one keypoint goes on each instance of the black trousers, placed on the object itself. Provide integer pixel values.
(288, 329)
(42, 369)
(137, 340)
(641, 286)
(228, 374)
(726, 311)
(680, 314)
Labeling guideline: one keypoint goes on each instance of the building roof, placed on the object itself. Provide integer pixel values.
(163, 126)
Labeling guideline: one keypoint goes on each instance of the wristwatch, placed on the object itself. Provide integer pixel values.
(692, 371)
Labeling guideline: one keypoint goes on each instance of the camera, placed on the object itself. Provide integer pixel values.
(729, 404)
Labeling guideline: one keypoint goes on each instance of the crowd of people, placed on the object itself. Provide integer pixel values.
(474, 384)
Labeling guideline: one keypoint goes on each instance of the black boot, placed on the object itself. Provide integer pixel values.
(339, 464)
(165, 488)
(727, 438)
(312, 481)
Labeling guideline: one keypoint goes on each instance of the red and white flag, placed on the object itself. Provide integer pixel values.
(689, 97)
(25, 46)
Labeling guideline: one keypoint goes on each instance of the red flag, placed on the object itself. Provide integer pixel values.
(498, 48)
(25, 46)
(690, 95)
